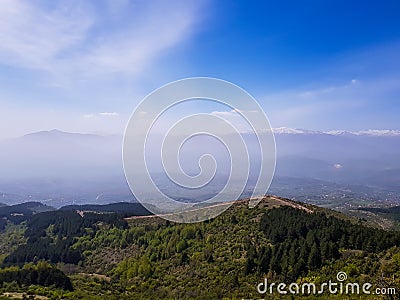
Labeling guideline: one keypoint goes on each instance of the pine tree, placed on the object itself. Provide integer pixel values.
(314, 260)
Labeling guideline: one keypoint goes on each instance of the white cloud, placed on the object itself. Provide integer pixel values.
(70, 38)
(235, 118)
(109, 114)
(231, 113)
(101, 114)
(33, 37)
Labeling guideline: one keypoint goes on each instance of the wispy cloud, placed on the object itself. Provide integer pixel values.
(323, 105)
(101, 114)
(320, 93)
(79, 39)
(235, 117)
(109, 114)
(35, 37)
(332, 106)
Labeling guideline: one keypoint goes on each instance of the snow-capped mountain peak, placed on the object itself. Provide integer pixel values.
(379, 132)
(369, 132)
(287, 130)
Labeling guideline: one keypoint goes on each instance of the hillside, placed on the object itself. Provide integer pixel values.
(386, 217)
(127, 208)
(24, 208)
(143, 257)
(21, 212)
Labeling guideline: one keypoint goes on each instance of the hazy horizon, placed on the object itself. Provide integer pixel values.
(63, 168)
(330, 131)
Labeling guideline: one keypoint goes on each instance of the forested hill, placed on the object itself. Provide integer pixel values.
(25, 211)
(27, 208)
(107, 256)
(20, 212)
(126, 208)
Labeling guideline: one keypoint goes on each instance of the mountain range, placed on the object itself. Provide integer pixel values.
(369, 132)
(60, 168)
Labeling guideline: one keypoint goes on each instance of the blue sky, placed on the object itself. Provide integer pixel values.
(83, 66)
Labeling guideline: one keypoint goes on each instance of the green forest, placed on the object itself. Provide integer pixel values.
(103, 255)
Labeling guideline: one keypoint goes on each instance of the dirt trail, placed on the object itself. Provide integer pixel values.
(289, 203)
(191, 210)
(274, 198)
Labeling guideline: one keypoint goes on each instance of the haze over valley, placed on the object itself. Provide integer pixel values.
(333, 169)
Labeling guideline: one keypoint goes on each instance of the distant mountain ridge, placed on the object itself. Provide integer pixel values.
(56, 132)
(369, 132)
(277, 130)
(61, 168)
